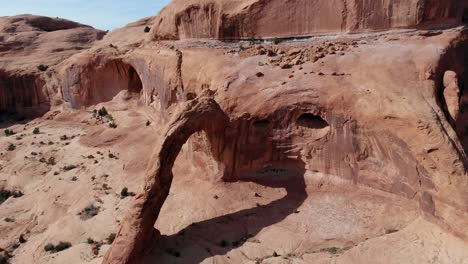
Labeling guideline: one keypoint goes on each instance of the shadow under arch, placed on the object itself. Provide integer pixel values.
(240, 225)
(137, 233)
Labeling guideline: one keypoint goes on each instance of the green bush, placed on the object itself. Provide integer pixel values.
(111, 238)
(276, 41)
(103, 111)
(49, 247)
(9, 132)
(62, 246)
(124, 192)
(89, 212)
(11, 147)
(69, 167)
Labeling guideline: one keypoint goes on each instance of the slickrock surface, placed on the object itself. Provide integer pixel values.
(338, 148)
(234, 19)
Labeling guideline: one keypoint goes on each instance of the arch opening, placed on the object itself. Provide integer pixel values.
(312, 121)
(108, 81)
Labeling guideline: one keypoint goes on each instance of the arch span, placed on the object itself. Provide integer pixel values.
(137, 230)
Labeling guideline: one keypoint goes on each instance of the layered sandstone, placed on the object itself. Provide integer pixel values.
(331, 149)
(246, 19)
(28, 41)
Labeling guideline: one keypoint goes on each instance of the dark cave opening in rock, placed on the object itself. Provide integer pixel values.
(134, 84)
(309, 120)
(465, 16)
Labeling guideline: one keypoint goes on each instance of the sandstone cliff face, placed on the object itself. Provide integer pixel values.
(244, 19)
(377, 115)
(29, 41)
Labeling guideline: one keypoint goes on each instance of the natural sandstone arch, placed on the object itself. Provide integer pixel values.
(137, 229)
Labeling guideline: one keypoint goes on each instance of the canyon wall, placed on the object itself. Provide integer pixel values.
(246, 19)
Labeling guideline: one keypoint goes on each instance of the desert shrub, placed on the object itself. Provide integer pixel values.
(69, 167)
(11, 147)
(36, 131)
(103, 111)
(147, 29)
(276, 41)
(22, 239)
(51, 161)
(90, 241)
(9, 132)
(124, 192)
(4, 259)
(5, 194)
(57, 248)
(148, 123)
(111, 238)
(42, 67)
(64, 137)
(49, 247)
(62, 246)
(9, 220)
(89, 212)
(331, 250)
(112, 124)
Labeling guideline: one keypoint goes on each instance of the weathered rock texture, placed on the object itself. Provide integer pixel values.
(28, 41)
(221, 19)
(380, 117)
(137, 230)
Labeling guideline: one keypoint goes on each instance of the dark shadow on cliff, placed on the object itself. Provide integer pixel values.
(219, 235)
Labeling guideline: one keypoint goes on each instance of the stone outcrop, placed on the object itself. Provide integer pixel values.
(377, 112)
(245, 19)
(137, 231)
(26, 42)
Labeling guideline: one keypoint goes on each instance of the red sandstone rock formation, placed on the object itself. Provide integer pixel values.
(377, 113)
(26, 42)
(137, 230)
(245, 19)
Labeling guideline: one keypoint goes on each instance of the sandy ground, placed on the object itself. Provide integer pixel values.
(203, 220)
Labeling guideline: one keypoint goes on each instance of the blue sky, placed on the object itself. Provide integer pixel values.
(102, 14)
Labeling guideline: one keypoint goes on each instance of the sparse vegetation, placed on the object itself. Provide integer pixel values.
(147, 29)
(9, 220)
(5, 194)
(331, 250)
(9, 132)
(275, 254)
(64, 137)
(69, 167)
(103, 112)
(22, 239)
(11, 147)
(112, 124)
(148, 123)
(124, 193)
(57, 248)
(36, 131)
(110, 239)
(42, 67)
(89, 212)
(276, 41)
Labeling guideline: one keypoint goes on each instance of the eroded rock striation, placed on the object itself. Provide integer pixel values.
(245, 19)
(379, 114)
